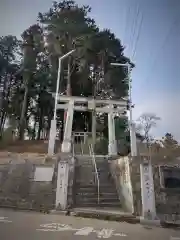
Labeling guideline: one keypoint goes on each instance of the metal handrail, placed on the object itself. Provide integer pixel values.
(81, 144)
(73, 150)
(95, 166)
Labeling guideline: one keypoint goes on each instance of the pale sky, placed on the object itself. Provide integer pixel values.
(156, 78)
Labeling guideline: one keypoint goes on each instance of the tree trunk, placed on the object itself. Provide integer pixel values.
(1, 110)
(33, 137)
(40, 125)
(2, 123)
(23, 111)
(1, 104)
(4, 94)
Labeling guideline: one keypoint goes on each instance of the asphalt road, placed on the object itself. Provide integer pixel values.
(37, 226)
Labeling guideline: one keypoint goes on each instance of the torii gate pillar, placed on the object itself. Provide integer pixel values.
(112, 147)
(67, 141)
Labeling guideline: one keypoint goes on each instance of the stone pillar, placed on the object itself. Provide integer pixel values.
(66, 145)
(112, 149)
(133, 140)
(52, 138)
(62, 185)
(147, 191)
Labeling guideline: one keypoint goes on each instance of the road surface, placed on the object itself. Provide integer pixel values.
(37, 226)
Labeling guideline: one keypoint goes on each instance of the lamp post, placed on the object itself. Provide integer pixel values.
(52, 136)
(131, 124)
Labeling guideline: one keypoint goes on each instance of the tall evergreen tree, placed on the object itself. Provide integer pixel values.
(65, 26)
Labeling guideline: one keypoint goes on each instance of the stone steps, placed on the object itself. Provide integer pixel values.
(108, 214)
(86, 187)
(84, 159)
(100, 166)
(94, 198)
(93, 194)
(94, 190)
(101, 204)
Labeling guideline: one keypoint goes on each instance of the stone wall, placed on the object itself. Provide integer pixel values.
(121, 174)
(18, 188)
(167, 199)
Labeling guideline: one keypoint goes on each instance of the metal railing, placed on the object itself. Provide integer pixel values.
(95, 166)
(72, 148)
(82, 147)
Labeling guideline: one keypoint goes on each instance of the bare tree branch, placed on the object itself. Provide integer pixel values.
(145, 123)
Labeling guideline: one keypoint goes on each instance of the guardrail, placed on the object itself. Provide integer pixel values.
(95, 166)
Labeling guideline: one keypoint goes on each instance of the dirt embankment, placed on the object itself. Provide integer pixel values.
(30, 146)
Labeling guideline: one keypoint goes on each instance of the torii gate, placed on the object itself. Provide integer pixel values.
(71, 104)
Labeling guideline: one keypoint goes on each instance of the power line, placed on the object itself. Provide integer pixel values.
(127, 12)
(130, 26)
(137, 38)
(134, 26)
(163, 43)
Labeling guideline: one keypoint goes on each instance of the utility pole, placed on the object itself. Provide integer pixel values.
(94, 111)
(53, 129)
(131, 124)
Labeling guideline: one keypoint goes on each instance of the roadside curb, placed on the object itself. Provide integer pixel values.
(117, 217)
(99, 215)
(169, 224)
(59, 212)
(120, 217)
(159, 223)
(149, 222)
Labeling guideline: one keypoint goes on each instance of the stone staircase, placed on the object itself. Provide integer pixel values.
(86, 194)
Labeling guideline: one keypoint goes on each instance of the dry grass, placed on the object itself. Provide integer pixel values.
(30, 146)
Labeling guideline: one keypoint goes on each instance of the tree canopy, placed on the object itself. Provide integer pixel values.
(169, 141)
(28, 68)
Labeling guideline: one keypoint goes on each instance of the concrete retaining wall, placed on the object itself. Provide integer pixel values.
(18, 188)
